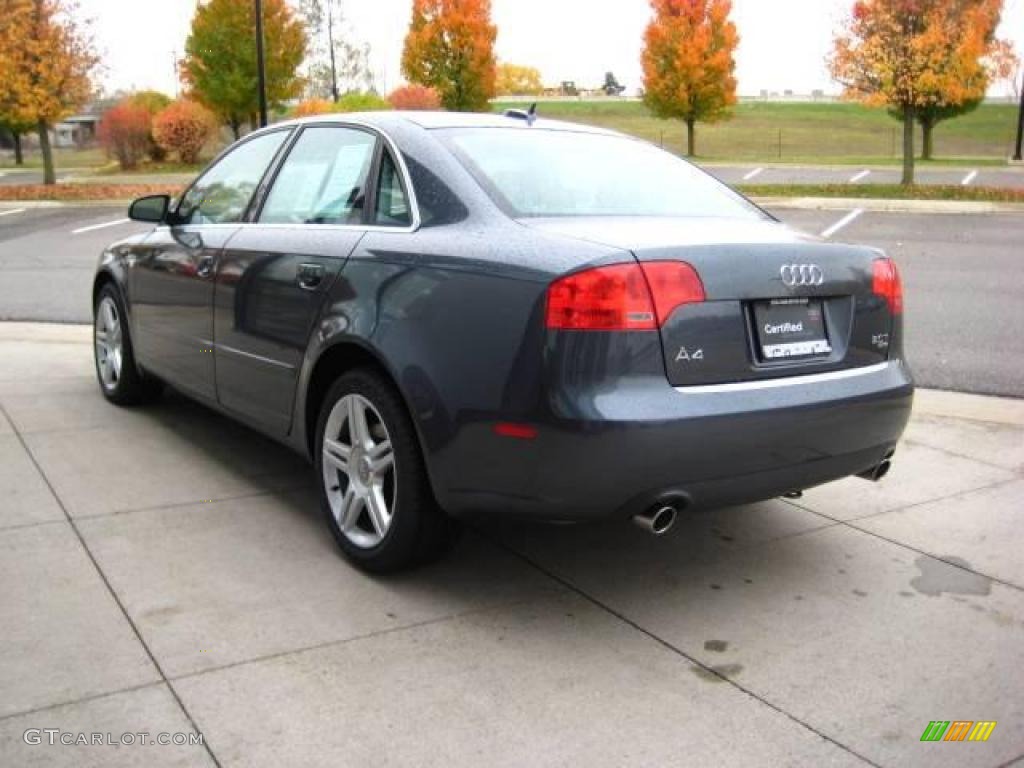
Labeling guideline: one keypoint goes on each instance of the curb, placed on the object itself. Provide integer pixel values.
(969, 407)
(64, 203)
(1010, 166)
(887, 205)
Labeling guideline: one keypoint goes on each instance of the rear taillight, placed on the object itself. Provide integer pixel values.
(886, 283)
(673, 283)
(622, 297)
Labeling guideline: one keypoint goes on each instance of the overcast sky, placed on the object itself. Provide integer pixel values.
(783, 43)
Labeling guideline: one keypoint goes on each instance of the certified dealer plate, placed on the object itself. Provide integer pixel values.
(791, 328)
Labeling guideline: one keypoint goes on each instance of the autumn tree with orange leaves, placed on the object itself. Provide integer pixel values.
(921, 58)
(688, 62)
(46, 59)
(450, 47)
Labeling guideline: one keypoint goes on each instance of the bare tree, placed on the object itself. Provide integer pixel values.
(336, 63)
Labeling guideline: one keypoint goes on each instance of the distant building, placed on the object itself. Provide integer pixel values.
(78, 130)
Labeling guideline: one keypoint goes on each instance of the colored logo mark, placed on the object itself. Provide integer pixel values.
(958, 730)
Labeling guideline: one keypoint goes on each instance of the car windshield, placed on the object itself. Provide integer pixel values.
(534, 172)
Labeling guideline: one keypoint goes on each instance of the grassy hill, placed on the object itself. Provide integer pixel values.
(798, 132)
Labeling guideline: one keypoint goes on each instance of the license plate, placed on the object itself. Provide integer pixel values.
(791, 328)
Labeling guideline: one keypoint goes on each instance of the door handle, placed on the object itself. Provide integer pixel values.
(310, 276)
(205, 267)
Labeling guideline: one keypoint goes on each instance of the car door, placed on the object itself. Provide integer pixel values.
(172, 274)
(274, 273)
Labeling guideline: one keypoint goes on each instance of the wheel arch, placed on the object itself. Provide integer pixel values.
(102, 278)
(342, 356)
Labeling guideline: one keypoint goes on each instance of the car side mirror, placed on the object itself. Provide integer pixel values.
(153, 208)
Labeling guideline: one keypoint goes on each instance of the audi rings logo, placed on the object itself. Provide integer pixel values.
(795, 275)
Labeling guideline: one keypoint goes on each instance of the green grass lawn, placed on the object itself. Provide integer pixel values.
(62, 158)
(887, 191)
(802, 133)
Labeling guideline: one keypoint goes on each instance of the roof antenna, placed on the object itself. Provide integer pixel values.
(529, 116)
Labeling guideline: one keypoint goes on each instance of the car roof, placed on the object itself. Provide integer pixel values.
(438, 120)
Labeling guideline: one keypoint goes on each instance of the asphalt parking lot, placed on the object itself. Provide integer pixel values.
(164, 570)
(962, 275)
(751, 173)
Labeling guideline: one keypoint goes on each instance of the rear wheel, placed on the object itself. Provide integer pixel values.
(119, 378)
(374, 489)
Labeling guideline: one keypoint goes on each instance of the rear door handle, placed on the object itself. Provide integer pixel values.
(205, 267)
(310, 276)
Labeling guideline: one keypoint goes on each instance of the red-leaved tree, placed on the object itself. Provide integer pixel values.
(124, 133)
(184, 128)
(415, 97)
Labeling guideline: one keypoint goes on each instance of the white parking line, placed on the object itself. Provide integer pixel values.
(752, 174)
(842, 222)
(857, 177)
(969, 178)
(100, 226)
(13, 210)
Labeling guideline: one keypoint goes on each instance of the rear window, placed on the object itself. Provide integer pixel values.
(537, 172)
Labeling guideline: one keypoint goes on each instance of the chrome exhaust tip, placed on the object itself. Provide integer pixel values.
(657, 520)
(876, 473)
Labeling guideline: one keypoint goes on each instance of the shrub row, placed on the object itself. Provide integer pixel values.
(144, 124)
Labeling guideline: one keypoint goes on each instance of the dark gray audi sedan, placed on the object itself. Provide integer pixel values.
(454, 314)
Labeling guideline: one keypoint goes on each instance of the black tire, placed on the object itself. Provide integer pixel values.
(129, 386)
(419, 531)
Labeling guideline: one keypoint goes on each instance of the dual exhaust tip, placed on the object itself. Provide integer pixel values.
(878, 471)
(657, 520)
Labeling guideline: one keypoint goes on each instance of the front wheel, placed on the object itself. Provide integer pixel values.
(374, 489)
(119, 378)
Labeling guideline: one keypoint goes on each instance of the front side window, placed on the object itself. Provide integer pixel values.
(222, 194)
(392, 206)
(538, 172)
(323, 179)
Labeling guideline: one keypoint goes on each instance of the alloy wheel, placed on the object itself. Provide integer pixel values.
(109, 340)
(359, 472)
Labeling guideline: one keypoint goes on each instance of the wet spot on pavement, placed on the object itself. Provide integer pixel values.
(717, 674)
(938, 576)
(718, 646)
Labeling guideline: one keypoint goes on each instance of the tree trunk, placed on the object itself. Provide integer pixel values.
(691, 137)
(19, 158)
(908, 145)
(927, 126)
(334, 67)
(236, 128)
(49, 176)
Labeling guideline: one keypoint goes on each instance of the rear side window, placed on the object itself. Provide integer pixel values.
(537, 172)
(392, 205)
(323, 179)
(222, 194)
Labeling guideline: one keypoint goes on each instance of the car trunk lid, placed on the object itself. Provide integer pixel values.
(777, 302)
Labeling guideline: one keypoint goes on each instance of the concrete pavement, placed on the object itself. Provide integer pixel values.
(165, 570)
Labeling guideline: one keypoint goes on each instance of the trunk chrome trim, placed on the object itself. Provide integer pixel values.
(789, 381)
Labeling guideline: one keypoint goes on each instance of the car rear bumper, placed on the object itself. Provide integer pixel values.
(617, 452)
